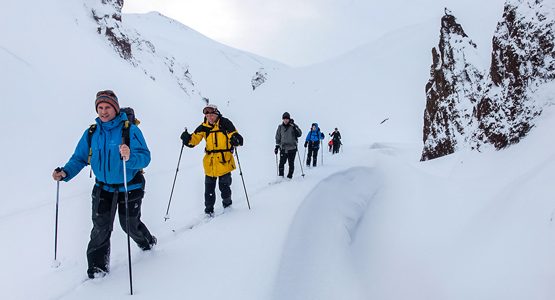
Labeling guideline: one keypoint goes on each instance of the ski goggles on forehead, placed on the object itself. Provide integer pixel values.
(209, 110)
(106, 93)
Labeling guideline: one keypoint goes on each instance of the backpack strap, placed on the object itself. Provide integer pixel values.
(125, 136)
(92, 129)
(125, 133)
(90, 132)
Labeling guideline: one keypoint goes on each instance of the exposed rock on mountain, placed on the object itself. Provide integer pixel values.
(259, 78)
(452, 91)
(133, 48)
(108, 18)
(523, 58)
(466, 109)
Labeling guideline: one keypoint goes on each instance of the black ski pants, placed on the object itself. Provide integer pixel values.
(104, 206)
(224, 183)
(288, 156)
(312, 153)
(336, 146)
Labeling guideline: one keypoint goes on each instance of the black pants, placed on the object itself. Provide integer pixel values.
(336, 146)
(312, 153)
(290, 157)
(224, 183)
(104, 206)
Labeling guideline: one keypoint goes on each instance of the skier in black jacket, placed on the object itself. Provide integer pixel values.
(336, 140)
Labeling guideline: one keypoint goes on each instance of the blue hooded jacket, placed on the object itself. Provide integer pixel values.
(314, 136)
(106, 161)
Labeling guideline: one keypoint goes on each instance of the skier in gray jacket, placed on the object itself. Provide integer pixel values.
(287, 136)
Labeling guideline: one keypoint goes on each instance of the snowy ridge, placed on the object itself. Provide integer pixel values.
(142, 40)
(316, 261)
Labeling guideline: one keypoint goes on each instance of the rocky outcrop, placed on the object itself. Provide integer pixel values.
(136, 50)
(452, 92)
(259, 78)
(108, 18)
(501, 109)
(523, 58)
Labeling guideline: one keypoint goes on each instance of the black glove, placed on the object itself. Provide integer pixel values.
(185, 137)
(236, 140)
(305, 144)
(276, 149)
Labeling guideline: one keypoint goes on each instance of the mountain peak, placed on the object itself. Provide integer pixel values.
(451, 92)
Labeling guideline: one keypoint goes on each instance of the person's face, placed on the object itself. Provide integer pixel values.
(106, 112)
(313, 127)
(211, 117)
(285, 121)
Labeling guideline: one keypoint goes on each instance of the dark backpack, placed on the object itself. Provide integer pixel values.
(130, 115)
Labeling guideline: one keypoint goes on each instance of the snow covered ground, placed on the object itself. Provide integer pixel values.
(370, 223)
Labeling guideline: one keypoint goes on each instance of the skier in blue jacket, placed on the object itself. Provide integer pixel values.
(105, 153)
(312, 141)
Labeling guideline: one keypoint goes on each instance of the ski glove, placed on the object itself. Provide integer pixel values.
(305, 144)
(276, 149)
(185, 137)
(236, 140)
(59, 174)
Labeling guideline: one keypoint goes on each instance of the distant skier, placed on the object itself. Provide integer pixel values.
(312, 141)
(221, 137)
(103, 148)
(287, 135)
(336, 140)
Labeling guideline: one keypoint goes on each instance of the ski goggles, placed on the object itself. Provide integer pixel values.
(107, 93)
(210, 110)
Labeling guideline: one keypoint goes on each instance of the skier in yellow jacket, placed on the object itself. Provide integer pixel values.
(221, 138)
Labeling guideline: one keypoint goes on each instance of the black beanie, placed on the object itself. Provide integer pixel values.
(286, 116)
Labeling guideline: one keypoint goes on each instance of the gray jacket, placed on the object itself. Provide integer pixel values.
(287, 136)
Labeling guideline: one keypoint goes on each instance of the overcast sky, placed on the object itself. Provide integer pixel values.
(301, 32)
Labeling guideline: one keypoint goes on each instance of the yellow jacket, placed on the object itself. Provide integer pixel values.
(218, 159)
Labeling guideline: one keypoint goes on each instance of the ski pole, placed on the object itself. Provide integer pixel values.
(173, 185)
(304, 156)
(322, 147)
(56, 263)
(302, 171)
(127, 226)
(277, 166)
(242, 179)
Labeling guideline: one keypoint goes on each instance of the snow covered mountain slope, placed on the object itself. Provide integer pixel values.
(467, 226)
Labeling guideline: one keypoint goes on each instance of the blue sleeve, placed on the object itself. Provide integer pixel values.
(140, 155)
(79, 158)
(307, 137)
